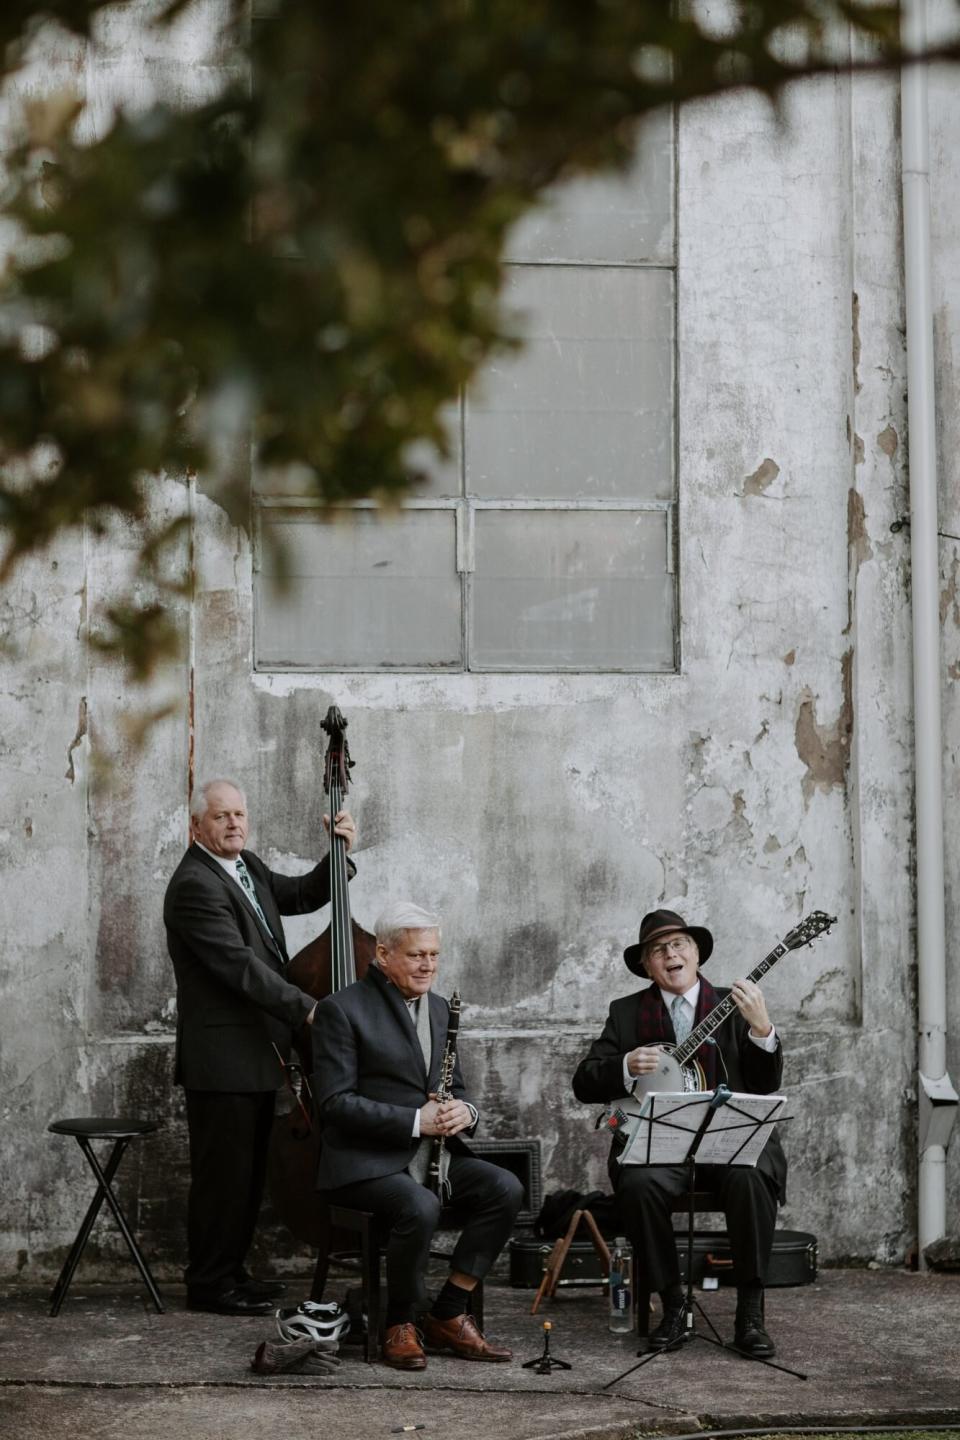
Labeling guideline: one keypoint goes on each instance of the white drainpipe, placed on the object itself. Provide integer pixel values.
(936, 1107)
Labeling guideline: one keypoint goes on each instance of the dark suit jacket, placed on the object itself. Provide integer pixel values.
(233, 1003)
(643, 1019)
(370, 1079)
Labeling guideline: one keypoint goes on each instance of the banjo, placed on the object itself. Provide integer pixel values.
(678, 1069)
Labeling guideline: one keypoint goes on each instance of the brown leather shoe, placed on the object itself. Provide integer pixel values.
(402, 1348)
(461, 1337)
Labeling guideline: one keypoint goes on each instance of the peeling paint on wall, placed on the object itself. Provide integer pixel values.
(859, 547)
(762, 478)
(80, 735)
(857, 537)
(825, 749)
(888, 441)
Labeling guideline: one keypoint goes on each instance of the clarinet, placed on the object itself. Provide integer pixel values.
(444, 1091)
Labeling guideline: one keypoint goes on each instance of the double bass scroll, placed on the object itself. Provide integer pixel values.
(343, 952)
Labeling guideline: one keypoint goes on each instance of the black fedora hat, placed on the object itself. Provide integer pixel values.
(666, 922)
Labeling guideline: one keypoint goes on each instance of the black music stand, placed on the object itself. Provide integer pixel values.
(738, 1134)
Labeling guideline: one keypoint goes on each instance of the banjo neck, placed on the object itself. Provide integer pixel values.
(683, 1053)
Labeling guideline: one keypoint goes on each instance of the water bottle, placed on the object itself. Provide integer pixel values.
(621, 1307)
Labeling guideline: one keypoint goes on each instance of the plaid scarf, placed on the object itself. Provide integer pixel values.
(655, 1027)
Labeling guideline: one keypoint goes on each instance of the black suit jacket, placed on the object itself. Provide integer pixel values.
(599, 1076)
(370, 1079)
(233, 1003)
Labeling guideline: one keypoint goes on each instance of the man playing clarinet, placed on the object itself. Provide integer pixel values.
(378, 1048)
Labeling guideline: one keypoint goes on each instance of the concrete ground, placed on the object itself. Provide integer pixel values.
(879, 1347)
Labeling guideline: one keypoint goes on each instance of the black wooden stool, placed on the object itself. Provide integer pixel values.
(373, 1241)
(121, 1132)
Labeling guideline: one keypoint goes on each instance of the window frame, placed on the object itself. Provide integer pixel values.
(465, 508)
(465, 505)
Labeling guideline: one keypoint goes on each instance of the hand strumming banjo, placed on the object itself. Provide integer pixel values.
(679, 1070)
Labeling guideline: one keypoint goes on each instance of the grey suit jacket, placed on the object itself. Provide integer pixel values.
(233, 1002)
(370, 1079)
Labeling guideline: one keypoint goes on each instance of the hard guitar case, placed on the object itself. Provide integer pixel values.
(793, 1260)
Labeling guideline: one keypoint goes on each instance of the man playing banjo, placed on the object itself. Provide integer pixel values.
(746, 1055)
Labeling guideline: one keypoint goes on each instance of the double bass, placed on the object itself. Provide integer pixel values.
(335, 958)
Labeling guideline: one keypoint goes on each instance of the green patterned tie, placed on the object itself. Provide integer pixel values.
(243, 875)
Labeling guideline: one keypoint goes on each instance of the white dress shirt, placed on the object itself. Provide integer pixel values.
(229, 862)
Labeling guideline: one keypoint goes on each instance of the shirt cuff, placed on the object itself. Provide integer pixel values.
(765, 1042)
(628, 1080)
(416, 1124)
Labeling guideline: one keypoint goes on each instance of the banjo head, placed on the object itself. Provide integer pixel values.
(671, 1076)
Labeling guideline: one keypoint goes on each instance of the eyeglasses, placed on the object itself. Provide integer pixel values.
(679, 945)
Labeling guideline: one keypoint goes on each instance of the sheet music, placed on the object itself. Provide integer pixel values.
(730, 1140)
(735, 1135)
(665, 1128)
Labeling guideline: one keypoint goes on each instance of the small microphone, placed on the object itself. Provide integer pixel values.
(720, 1097)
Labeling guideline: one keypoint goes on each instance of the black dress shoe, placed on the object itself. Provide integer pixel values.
(749, 1336)
(671, 1330)
(262, 1289)
(230, 1302)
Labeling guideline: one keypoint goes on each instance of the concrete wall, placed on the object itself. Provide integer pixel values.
(542, 815)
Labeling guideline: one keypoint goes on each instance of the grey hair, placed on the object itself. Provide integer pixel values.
(403, 915)
(201, 796)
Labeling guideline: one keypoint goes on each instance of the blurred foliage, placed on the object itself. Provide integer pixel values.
(313, 258)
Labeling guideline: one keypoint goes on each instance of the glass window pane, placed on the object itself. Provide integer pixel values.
(628, 218)
(366, 591)
(586, 409)
(582, 590)
(440, 476)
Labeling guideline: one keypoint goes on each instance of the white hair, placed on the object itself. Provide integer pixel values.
(402, 915)
(201, 796)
